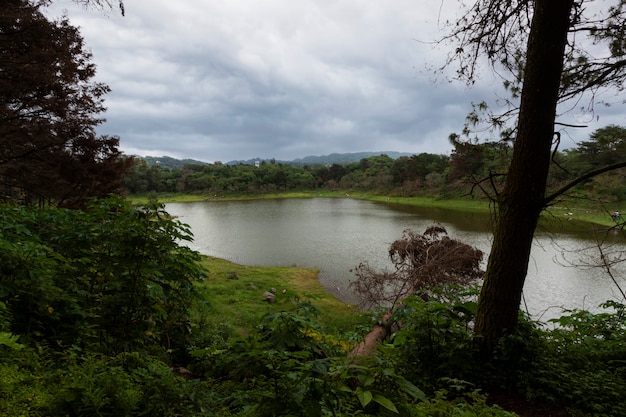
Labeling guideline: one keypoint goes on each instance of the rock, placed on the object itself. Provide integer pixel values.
(273, 290)
(269, 297)
(284, 291)
(233, 275)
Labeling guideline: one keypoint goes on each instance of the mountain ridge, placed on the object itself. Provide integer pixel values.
(333, 158)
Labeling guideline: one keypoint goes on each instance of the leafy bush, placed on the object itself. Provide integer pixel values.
(580, 364)
(470, 405)
(111, 278)
(125, 385)
(435, 339)
(290, 367)
(23, 388)
(584, 362)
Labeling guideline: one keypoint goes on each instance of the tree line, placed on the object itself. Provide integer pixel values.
(472, 168)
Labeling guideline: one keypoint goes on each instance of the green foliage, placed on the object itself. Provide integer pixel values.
(90, 302)
(579, 364)
(111, 278)
(407, 175)
(291, 367)
(584, 361)
(470, 405)
(26, 381)
(475, 167)
(126, 385)
(42, 383)
(436, 340)
(96, 387)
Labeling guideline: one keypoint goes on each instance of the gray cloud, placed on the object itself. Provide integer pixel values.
(278, 79)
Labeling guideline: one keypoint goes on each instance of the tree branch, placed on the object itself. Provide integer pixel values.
(580, 179)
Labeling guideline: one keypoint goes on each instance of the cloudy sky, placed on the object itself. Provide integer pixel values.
(239, 79)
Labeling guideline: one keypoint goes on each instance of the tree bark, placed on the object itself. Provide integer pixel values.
(523, 197)
(377, 335)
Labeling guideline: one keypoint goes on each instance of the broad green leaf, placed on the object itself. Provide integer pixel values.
(384, 401)
(365, 397)
(411, 389)
(10, 340)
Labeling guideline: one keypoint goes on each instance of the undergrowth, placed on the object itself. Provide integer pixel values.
(102, 313)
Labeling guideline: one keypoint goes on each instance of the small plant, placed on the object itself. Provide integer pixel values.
(472, 404)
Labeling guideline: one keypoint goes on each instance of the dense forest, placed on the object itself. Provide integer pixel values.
(472, 169)
(104, 311)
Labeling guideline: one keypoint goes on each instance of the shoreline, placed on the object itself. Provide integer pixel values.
(550, 215)
(235, 291)
(556, 220)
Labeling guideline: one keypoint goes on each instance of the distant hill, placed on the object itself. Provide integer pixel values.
(333, 158)
(344, 158)
(169, 162)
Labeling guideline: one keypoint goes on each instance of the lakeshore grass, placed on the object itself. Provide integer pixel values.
(234, 295)
(192, 198)
(585, 211)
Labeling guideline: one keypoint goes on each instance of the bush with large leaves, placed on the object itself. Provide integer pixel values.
(111, 278)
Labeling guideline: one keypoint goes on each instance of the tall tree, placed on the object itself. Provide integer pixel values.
(541, 45)
(49, 108)
(606, 147)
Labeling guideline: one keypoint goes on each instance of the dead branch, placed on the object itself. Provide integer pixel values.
(421, 261)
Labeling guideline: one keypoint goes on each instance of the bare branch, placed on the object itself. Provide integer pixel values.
(580, 179)
(420, 261)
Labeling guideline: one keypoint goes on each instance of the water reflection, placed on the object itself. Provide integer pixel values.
(335, 235)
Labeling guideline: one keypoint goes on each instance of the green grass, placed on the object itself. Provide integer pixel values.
(239, 303)
(583, 211)
(466, 205)
(189, 198)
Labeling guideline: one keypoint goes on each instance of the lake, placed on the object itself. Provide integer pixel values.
(334, 235)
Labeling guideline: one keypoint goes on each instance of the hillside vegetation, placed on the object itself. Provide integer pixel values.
(103, 313)
(472, 172)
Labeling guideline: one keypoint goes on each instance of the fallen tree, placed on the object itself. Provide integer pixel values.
(421, 262)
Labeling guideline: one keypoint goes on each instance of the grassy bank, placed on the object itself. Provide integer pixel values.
(234, 295)
(191, 198)
(572, 210)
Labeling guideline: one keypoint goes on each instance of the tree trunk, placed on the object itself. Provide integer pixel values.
(376, 336)
(523, 197)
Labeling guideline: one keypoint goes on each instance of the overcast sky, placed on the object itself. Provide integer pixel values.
(239, 79)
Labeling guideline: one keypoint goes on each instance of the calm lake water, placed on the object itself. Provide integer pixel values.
(336, 234)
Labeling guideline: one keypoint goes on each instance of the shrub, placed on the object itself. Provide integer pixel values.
(126, 385)
(112, 278)
(584, 362)
(435, 339)
(290, 367)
